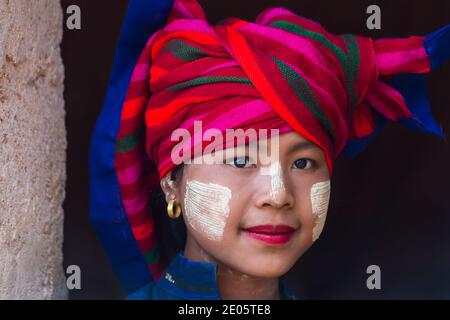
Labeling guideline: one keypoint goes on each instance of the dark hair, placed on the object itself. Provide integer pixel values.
(170, 233)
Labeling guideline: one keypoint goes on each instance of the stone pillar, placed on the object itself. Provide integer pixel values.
(32, 150)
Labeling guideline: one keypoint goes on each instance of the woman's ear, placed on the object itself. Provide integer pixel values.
(168, 186)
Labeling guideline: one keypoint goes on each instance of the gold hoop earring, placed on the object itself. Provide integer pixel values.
(170, 212)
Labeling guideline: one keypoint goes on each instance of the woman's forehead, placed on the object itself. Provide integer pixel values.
(292, 141)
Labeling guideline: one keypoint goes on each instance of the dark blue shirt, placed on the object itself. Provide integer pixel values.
(185, 279)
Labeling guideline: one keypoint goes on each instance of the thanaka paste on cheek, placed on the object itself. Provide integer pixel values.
(207, 208)
(320, 197)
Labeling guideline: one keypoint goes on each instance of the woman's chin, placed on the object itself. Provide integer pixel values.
(269, 267)
(266, 272)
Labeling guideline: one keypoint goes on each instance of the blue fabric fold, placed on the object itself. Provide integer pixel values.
(413, 88)
(106, 210)
(437, 45)
(355, 146)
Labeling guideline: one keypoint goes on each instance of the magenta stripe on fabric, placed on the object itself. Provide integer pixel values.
(284, 38)
(190, 25)
(179, 7)
(136, 204)
(227, 120)
(140, 72)
(220, 66)
(244, 113)
(265, 16)
(205, 66)
(395, 62)
(375, 99)
(130, 174)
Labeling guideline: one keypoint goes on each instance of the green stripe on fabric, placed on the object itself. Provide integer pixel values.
(351, 44)
(306, 94)
(152, 256)
(340, 55)
(207, 80)
(183, 50)
(127, 143)
(292, 27)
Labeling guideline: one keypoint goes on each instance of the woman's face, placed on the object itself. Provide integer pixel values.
(257, 218)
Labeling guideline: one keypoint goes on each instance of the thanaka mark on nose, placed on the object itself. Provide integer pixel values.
(276, 180)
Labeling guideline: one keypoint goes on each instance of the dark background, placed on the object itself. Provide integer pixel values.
(389, 207)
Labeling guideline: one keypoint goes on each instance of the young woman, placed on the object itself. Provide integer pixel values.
(188, 211)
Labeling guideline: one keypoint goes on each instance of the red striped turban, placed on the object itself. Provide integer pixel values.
(283, 70)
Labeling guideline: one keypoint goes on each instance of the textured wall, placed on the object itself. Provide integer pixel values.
(32, 150)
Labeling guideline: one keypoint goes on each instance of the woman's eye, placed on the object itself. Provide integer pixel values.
(303, 163)
(239, 162)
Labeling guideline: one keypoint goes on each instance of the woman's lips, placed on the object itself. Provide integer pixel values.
(271, 234)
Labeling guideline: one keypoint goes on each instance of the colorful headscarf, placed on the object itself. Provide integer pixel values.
(281, 71)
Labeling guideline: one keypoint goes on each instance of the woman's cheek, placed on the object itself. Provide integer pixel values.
(207, 207)
(320, 197)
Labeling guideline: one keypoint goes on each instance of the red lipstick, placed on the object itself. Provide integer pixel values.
(270, 234)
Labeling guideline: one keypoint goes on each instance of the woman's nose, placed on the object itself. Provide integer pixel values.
(276, 190)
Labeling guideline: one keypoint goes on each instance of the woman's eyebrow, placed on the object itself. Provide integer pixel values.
(301, 146)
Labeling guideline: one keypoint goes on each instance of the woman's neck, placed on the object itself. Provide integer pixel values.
(232, 284)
